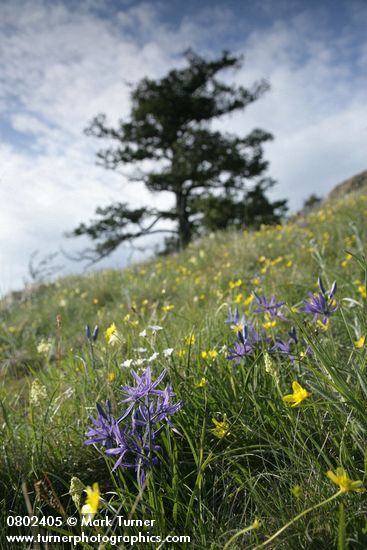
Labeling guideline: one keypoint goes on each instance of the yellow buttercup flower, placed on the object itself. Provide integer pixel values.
(298, 395)
(235, 284)
(347, 259)
(221, 429)
(270, 324)
(249, 300)
(112, 335)
(92, 501)
(296, 491)
(362, 291)
(111, 376)
(276, 261)
(190, 340)
(360, 342)
(168, 307)
(110, 331)
(202, 384)
(237, 327)
(211, 354)
(323, 326)
(256, 524)
(342, 479)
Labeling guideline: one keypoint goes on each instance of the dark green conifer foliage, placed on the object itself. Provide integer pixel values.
(206, 171)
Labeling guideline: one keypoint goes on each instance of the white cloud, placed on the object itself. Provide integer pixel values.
(63, 65)
(316, 108)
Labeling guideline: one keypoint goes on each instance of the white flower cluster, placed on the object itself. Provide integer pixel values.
(37, 393)
(143, 360)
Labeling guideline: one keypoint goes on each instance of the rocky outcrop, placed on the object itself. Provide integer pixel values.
(355, 184)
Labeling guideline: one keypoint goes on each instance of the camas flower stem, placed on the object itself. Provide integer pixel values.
(91, 351)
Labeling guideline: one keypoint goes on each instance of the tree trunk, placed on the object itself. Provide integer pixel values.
(184, 226)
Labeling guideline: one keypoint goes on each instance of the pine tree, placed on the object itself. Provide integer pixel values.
(170, 126)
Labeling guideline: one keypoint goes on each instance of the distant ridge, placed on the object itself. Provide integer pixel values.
(354, 184)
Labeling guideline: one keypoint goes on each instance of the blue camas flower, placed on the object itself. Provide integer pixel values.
(102, 429)
(145, 386)
(248, 341)
(233, 317)
(322, 304)
(132, 438)
(286, 347)
(271, 308)
(234, 320)
(91, 336)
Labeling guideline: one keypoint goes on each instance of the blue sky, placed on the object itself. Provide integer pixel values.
(62, 62)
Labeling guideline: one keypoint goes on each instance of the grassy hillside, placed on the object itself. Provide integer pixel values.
(241, 462)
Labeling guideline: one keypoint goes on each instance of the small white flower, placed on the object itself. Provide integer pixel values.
(114, 339)
(140, 350)
(143, 333)
(153, 357)
(168, 352)
(155, 328)
(127, 363)
(138, 362)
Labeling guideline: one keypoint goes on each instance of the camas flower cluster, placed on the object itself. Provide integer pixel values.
(132, 438)
(322, 304)
(250, 340)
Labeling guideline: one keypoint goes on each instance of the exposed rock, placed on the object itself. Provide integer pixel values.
(355, 184)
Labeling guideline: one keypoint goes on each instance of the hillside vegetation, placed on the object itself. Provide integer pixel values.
(240, 462)
(355, 184)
